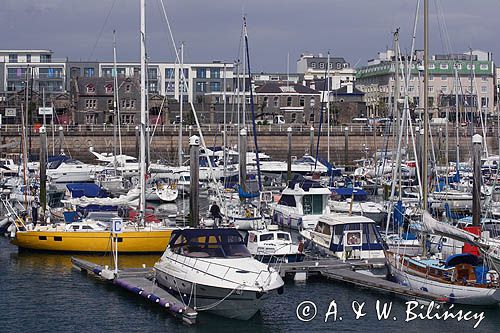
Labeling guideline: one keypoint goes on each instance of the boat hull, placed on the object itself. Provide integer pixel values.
(95, 241)
(240, 304)
(455, 293)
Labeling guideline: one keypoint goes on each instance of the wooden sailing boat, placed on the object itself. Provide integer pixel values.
(95, 236)
(461, 279)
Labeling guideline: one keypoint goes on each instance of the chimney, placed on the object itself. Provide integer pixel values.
(350, 87)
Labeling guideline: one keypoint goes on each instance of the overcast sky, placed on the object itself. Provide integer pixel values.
(354, 29)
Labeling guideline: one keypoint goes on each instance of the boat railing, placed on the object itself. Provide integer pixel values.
(196, 264)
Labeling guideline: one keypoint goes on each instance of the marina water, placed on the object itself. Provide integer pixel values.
(41, 292)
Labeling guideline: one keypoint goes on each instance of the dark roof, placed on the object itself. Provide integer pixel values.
(320, 84)
(284, 88)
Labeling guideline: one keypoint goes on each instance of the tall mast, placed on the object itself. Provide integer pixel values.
(142, 160)
(180, 106)
(225, 126)
(457, 84)
(426, 102)
(115, 102)
(328, 108)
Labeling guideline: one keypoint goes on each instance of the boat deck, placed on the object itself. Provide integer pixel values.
(139, 281)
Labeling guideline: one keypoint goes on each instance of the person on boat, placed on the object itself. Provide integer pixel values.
(34, 210)
(215, 212)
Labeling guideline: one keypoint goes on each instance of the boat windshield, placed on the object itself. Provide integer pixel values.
(209, 243)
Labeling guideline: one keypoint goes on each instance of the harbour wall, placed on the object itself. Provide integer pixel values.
(361, 141)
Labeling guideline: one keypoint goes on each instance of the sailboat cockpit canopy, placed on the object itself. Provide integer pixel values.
(208, 243)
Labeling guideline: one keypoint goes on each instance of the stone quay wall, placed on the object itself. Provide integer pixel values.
(361, 141)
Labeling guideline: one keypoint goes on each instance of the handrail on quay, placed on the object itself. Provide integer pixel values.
(300, 129)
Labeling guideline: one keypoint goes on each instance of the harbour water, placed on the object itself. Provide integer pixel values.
(41, 292)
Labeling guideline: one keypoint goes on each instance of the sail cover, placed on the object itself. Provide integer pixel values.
(432, 225)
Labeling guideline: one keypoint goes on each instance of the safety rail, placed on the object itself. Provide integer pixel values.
(301, 129)
(175, 257)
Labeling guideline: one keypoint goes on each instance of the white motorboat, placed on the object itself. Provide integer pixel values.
(161, 190)
(347, 237)
(273, 245)
(405, 243)
(301, 204)
(370, 209)
(62, 170)
(212, 270)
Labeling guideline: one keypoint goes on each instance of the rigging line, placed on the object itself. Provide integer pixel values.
(195, 115)
(102, 30)
(322, 102)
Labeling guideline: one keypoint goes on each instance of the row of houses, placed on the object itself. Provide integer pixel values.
(83, 92)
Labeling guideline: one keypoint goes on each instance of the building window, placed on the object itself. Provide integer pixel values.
(111, 104)
(313, 65)
(152, 74)
(311, 117)
(12, 57)
(215, 86)
(484, 102)
(431, 88)
(302, 101)
(276, 102)
(432, 66)
(88, 72)
(128, 87)
(90, 88)
(293, 118)
(444, 78)
(339, 65)
(28, 58)
(215, 73)
(90, 119)
(484, 89)
(201, 86)
(484, 78)
(91, 104)
(108, 88)
(411, 88)
(289, 101)
(321, 65)
(127, 103)
(330, 65)
(265, 101)
(443, 66)
(152, 87)
(169, 73)
(127, 119)
(312, 102)
(431, 78)
(45, 58)
(469, 66)
(458, 66)
(201, 73)
(484, 67)
(16, 73)
(444, 89)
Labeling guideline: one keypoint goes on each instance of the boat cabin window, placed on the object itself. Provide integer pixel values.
(213, 243)
(287, 200)
(252, 238)
(312, 204)
(87, 227)
(323, 228)
(284, 236)
(76, 227)
(266, 237)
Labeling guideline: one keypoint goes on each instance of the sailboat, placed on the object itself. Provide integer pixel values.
(96, 236)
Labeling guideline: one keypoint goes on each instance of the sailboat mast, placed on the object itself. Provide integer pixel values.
(426, 102)
(115, 102)
(457, 83)
(179, 152)
(252, 108)
(327, 108)
(142, 160)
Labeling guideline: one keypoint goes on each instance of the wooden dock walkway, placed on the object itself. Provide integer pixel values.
(139, 281)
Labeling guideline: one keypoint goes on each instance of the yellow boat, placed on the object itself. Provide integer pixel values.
(92, 237)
